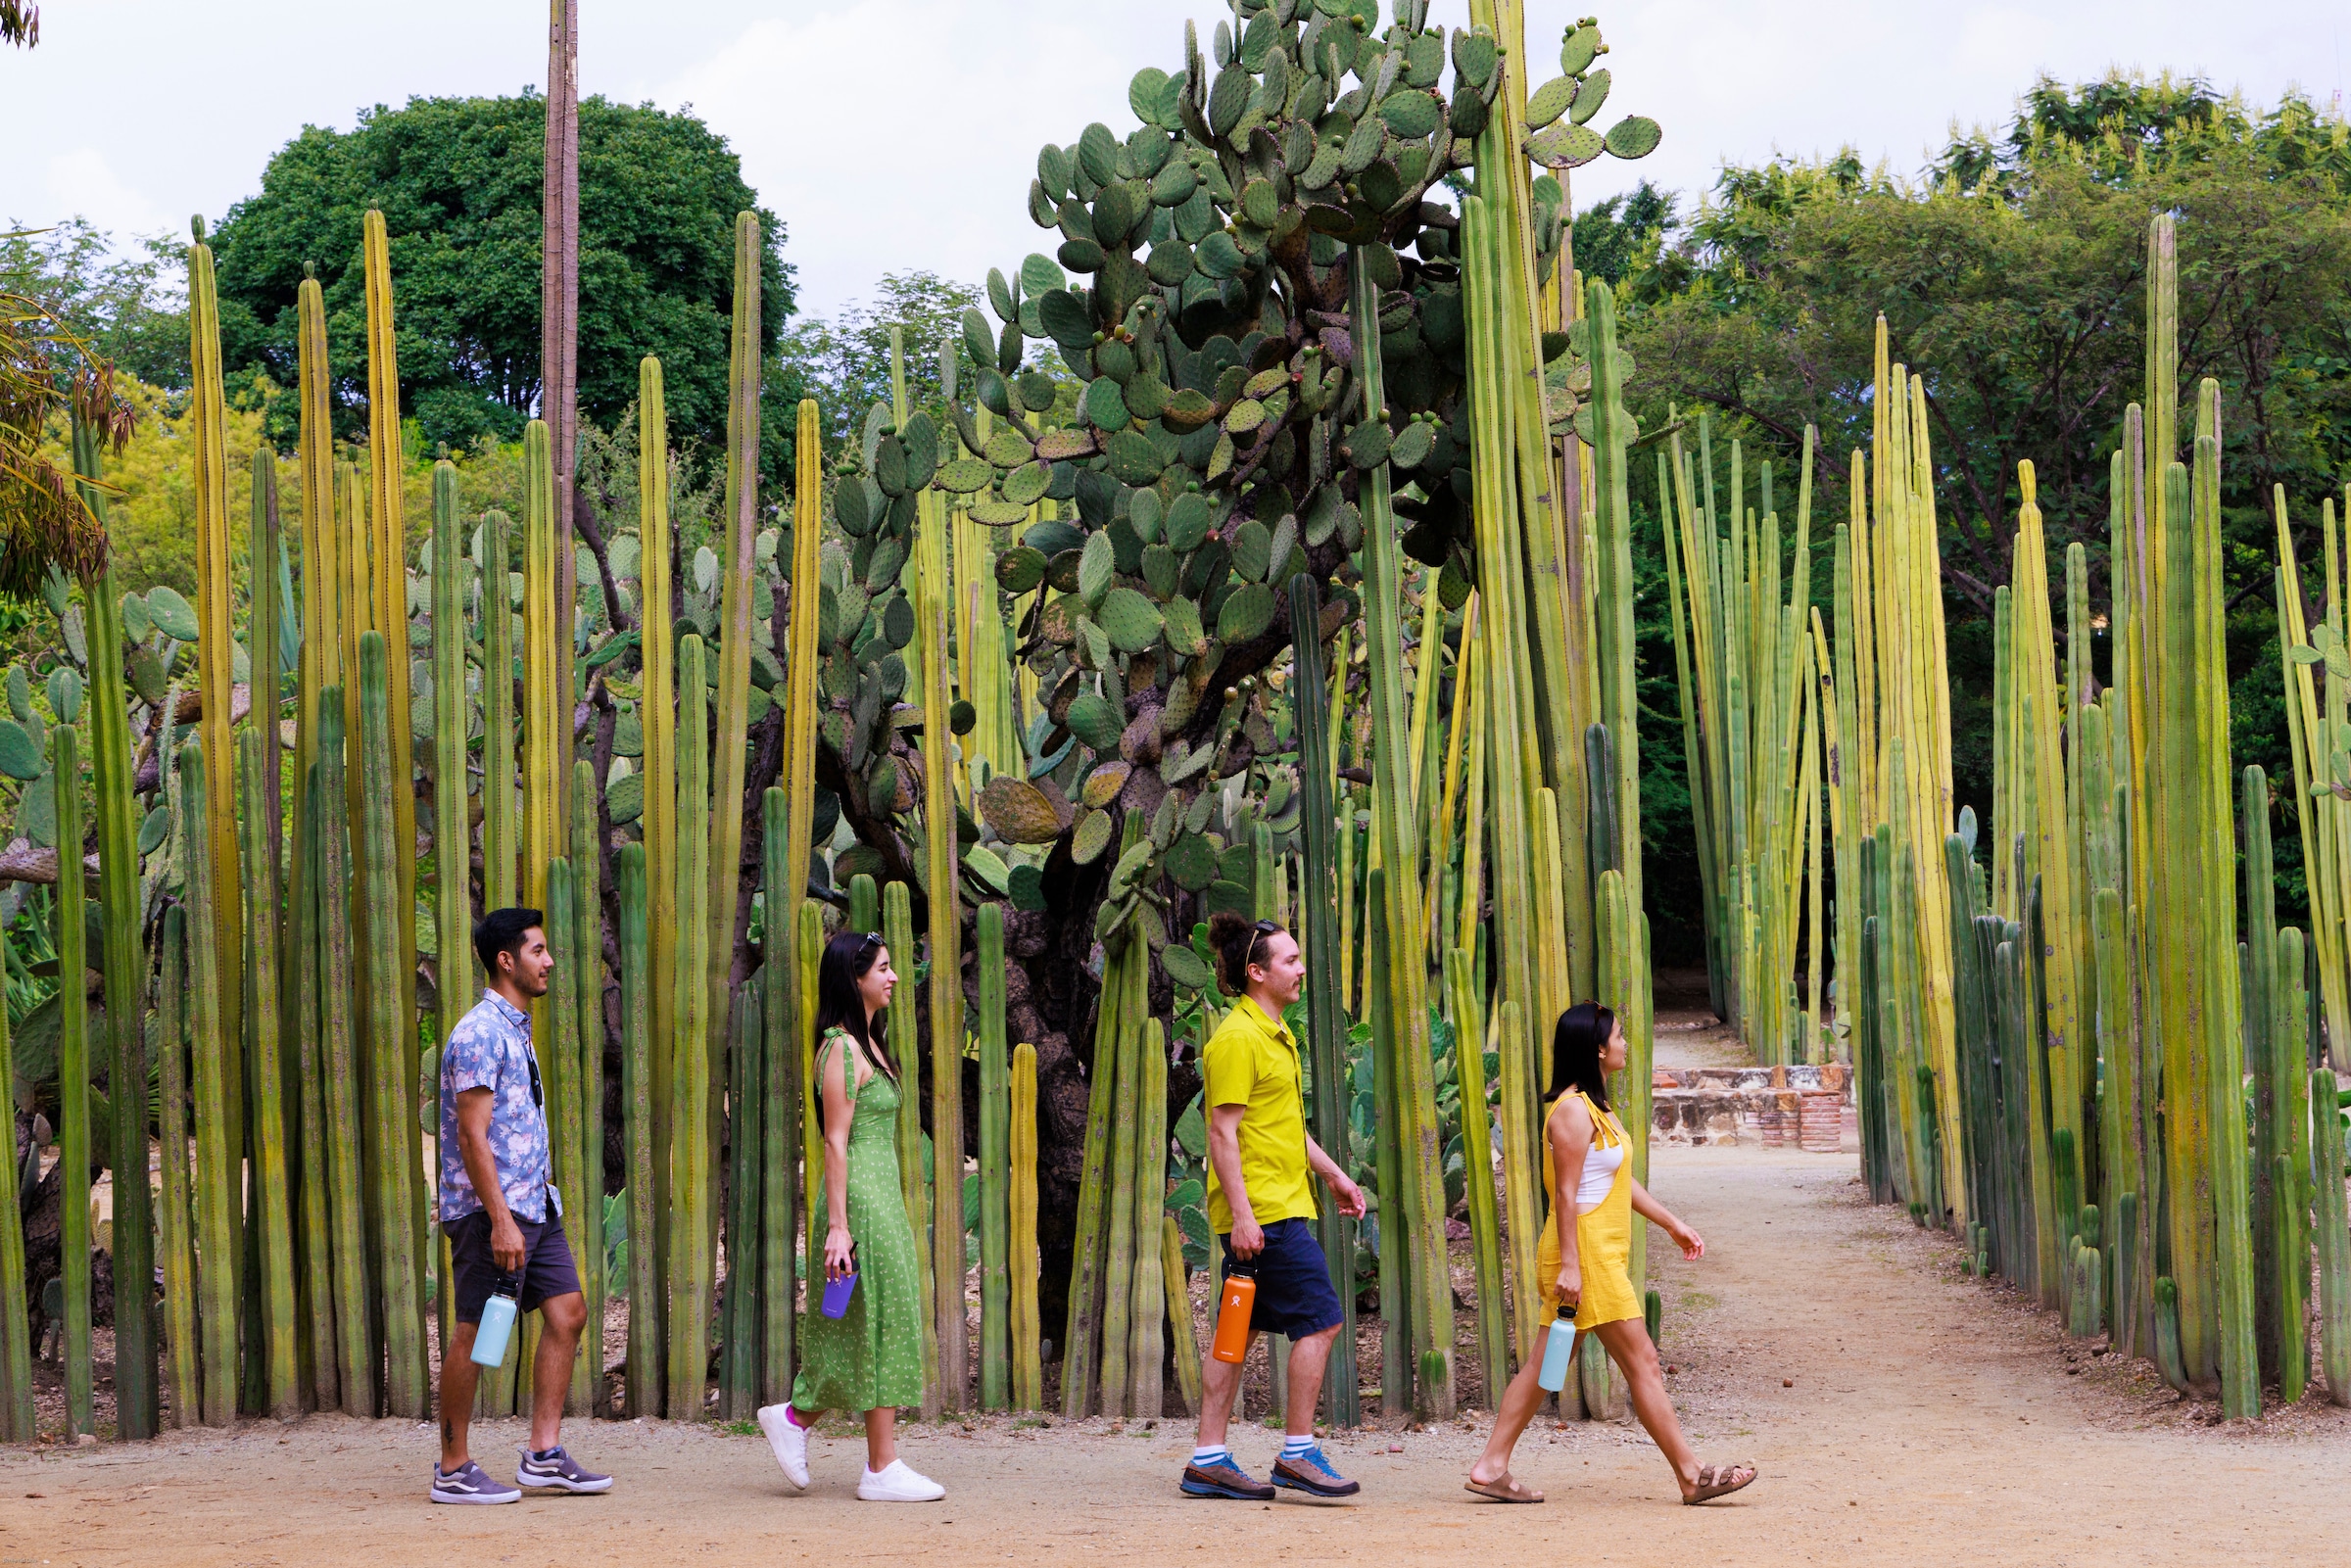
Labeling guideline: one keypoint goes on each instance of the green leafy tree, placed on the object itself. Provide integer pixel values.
(459, 183)
(2011, 279)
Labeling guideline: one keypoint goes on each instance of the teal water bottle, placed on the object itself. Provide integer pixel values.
(496, 1328)
(1558, 1352)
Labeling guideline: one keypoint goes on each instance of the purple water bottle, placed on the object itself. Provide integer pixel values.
(838, 1290)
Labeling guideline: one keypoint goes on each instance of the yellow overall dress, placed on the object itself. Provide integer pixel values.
(1603, 1238)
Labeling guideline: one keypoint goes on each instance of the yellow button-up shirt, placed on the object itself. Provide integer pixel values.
(1252, 1061)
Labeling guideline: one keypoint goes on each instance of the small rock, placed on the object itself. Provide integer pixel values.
(86, 1439)
(1786, 1382)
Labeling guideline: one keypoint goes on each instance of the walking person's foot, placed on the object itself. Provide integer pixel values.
(1718, 1481)
(469, 1483)
(788, 1439)
(555, 1470)
(1222, 1476)
(897, 1482)
(1310, 1472)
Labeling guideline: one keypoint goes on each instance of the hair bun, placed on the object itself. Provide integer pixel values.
(1230, 937)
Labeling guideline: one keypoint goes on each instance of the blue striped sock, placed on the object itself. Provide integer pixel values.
(1297, 1448)
(1220, 1455)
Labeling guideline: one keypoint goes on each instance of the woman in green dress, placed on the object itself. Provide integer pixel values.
(870, 1358)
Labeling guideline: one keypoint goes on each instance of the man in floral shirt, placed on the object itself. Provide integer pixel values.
(503, 1214)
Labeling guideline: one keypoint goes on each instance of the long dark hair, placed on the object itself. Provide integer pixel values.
(1576, 1047)
(839, 1004)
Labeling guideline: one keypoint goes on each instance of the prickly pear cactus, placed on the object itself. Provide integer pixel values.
(1199, 294)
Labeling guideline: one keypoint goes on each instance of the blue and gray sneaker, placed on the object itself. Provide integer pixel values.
(1312, 1473)
(1223, 1477)
(557, 1471)
(469, 1484)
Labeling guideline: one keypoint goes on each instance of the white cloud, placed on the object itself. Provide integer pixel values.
(83, 183)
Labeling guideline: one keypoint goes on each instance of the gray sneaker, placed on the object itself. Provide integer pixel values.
(557, 1471)
(469, 1483)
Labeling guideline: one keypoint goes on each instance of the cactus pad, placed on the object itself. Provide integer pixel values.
(1019, 811)
(1246, 614)
(1634, 136)
(1131, 621)
(1564, 146)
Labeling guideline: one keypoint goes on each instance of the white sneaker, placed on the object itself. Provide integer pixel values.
(898, 1482)
(788, 1439)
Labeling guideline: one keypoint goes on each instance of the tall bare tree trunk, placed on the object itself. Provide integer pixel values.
(560, 317)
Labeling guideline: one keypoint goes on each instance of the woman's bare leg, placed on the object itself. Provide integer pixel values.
(1628, 1343)
(882, 1437)
(1520, 1401)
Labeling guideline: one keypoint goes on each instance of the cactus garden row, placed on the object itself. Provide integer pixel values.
(1276, 557)
(2081, 1040)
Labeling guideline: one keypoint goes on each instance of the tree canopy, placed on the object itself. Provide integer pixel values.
(459, 183)
(2011, 274)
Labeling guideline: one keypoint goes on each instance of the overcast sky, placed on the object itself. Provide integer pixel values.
(892, 135)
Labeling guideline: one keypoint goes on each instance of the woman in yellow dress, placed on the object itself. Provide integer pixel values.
(1582, 1260)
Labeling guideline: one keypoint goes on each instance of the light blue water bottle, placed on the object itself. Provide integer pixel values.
(497, 1327)
(1559, 1350)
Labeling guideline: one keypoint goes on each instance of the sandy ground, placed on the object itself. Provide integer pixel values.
(1900, 1412)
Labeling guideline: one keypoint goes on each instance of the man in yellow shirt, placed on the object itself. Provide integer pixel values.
(1261, 1206)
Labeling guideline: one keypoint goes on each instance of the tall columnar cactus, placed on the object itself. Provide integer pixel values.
(690, 1260)
(1319, 897)
(733, 677)
(1395, 825)
(1118, 1259)
(400, 1181)
(175, 1216)
(2333, 1230)
(501, 846)
(1081, 1340)
(905, 1049)
(215, 643)
(1023, 1325)
(217, 1238)
(339, 998)
(1148, 1316)
(311, 1147)
(124, 961)
(558, 1047)
(779, 1113)
(73, 1072)
(996, 1159)
(19, 1423)
(645, 1357)
(272, 1193)
(546, 711)
(740, 1326)
(658, 713)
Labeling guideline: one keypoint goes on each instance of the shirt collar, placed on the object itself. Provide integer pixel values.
(506, 1010)
(1267, 1021)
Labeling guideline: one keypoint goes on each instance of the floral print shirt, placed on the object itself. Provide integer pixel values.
(491, 1049)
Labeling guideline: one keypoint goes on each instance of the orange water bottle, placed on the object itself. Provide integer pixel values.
(1231, 1343)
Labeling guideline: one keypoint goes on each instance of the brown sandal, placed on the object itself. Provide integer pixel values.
(1719, 1481)
(1507, 1490)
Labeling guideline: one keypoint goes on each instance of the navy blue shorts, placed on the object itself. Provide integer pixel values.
(548, 1270)
(1293, 1281)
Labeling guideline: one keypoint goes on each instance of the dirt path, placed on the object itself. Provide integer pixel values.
(1897, 1414)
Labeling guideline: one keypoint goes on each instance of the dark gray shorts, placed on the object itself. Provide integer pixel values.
(547, 1267)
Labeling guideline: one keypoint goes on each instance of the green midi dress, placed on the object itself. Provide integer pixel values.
(872, 1355)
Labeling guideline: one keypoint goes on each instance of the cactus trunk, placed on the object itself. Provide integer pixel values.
(72, 1073)
(1023, 1325)
(271, 1167)
(658, 652)
(338, 998)
(779, 1113)
(996, 1159)
(642, 1385)
(690, 1261)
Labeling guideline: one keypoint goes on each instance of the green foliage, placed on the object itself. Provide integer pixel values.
(458, 182)
(2012, 275)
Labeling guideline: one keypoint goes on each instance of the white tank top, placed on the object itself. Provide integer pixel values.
(1600, 1175)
